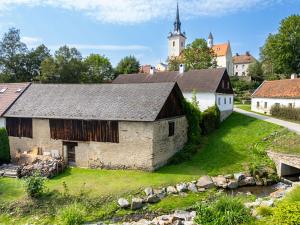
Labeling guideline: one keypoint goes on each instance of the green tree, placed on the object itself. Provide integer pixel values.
(198, 55)
(281, 51)
(4, 147)
(128, 65)
(97, 68)
(13, 56)
(49, 71)
(173, 63)
(255, 71)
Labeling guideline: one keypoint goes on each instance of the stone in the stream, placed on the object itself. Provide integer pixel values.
(192, 187)
(182, 187)
(136, 203)
(267, 203)
(247, 181)
(148, 191)
(278, 194)
(153, 199)
(220, 181)
(239, 176)
(232, 184)
(205, 182)
(171, 190)
(123, 203)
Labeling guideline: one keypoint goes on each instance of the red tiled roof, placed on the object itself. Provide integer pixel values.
(221, 49)
(243, 59)
(289, 88)
(9, 93)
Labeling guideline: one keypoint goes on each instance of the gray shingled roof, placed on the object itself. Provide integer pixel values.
(132, 102)
(205, 80)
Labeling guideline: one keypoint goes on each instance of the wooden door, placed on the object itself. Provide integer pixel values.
(71, 153)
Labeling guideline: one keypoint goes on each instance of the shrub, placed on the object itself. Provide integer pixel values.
(4, 147)
(210, 119)
(35, 185)
(72, 215)
(287, 213)
(264, 211)
(193, 116)
(285, 112)
(226, 210)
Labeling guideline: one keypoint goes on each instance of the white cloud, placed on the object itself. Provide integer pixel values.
(31, 41)
(137, 11)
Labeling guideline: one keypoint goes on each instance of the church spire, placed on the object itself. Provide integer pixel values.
(177, 23)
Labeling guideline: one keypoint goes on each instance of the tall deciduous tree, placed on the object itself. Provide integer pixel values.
(281, 51)
(128, 65)
(97, 68)
(255, 71)
(197, 55)
(13, 56)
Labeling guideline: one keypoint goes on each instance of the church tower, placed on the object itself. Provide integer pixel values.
(176, 38)
(210, 40)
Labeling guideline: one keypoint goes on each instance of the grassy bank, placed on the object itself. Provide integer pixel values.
(229, 149)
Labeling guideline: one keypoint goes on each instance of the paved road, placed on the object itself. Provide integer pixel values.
(289, 125)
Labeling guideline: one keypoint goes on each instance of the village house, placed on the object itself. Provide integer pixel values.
(9, 93)
(241, 64)
(223, 54)
(137, 126)
(211, 86)
(276, 92)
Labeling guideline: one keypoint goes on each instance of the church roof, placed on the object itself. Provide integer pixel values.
(210, 36)
(221, 49)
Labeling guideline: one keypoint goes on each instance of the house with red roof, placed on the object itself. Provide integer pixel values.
(276, 92)
(9, 93)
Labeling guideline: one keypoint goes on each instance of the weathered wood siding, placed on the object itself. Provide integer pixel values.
(19, 127)
(173, 105)
(84, 130)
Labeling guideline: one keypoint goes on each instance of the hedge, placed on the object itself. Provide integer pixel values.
(285, 112)
(210, 119)
(4, 147)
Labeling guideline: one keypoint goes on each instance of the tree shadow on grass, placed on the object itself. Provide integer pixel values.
(226, 150)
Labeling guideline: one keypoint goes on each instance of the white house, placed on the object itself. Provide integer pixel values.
(276, 92)
(212, 86)
(223, 54)
(9, 93)
(241, 64)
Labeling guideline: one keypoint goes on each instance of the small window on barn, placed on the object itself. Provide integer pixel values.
(224, 100)
(171, 128)
(230, 101)
(173, 43)
(219, 101)
(257, 104)
(266, 105)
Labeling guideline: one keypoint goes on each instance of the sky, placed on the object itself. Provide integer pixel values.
(117, 28)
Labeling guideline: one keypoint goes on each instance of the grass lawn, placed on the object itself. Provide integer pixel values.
(245, 107)
(227, 150)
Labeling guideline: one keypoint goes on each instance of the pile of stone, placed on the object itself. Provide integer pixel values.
(177, 218)
(151, 196)
(48, 167)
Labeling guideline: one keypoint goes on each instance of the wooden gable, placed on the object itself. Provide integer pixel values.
(225, 86)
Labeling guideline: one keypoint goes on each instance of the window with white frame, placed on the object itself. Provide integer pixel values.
(224, 100)
(219, 100)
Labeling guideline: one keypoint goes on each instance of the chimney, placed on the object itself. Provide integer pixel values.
(152, 70)
(181, 68)
(236, 54)
(247, 53)
(294, 76)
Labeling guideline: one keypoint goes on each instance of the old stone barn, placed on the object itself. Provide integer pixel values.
(138, 126)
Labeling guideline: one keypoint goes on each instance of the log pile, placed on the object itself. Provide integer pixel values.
(48, 167)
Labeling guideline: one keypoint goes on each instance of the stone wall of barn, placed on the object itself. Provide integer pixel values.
(165, 146)
(142, 145)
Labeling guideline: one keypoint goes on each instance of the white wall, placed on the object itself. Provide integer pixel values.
(2, 122)
(175, 50)
(270, 102)
(239, 69)
(207, 100)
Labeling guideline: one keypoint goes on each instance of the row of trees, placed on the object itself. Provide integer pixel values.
(280, 55)
(19, 64)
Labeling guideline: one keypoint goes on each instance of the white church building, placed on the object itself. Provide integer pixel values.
(177, 43)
